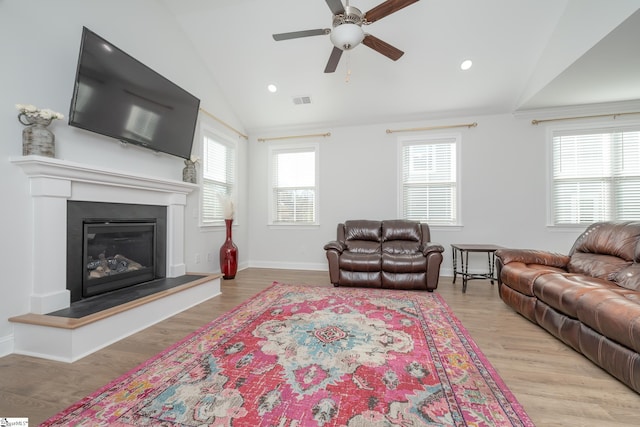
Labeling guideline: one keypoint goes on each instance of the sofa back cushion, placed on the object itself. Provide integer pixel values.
(398, 229)
(363, 236)
(596, 265)
(616, 238)
(629, 277)
(362, 229)
(401, 236)
(605, 248)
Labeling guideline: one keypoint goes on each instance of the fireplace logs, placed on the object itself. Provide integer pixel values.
(108, 266)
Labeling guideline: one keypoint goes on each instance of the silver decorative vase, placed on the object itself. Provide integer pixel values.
(36, 138)
(189, 172)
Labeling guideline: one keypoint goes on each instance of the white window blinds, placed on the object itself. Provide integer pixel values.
(294, 191)
(429, 181)
(596, 176)
(218, 178)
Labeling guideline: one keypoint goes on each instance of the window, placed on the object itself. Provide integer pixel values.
(293, 194)
(429, 188)
(595, 175)
(218, 177)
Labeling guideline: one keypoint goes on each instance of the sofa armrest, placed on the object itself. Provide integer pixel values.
(335, 245)
(430, 247)
(529, 256)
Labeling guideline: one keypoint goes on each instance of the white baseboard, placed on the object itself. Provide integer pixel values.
(6, 345)
(289, 265)
(444, 272)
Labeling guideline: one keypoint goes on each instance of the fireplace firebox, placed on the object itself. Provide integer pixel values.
(117, 254)
(111, 246)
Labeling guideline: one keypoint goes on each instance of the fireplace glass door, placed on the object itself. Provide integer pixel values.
(117, 254)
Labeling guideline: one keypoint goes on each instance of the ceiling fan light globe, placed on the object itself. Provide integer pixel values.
(346, 36)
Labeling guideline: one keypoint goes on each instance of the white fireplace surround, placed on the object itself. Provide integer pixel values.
(52, 182)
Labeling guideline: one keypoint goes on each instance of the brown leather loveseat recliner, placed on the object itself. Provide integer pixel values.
(396, 254)
(589, 299)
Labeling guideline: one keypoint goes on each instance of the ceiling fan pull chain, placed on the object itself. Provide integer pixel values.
(348, 77)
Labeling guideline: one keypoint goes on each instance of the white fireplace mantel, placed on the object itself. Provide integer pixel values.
(53, 181)
(46, 167)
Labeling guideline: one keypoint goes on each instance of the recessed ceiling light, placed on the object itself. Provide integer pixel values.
(466, 64)
(272, 88)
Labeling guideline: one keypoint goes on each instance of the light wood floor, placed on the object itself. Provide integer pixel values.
(555, 385)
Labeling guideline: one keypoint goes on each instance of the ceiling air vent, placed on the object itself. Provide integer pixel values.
(300, 100)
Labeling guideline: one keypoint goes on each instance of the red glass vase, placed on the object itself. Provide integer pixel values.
(229, 254)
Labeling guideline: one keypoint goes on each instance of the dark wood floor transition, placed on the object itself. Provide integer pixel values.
(555, 385)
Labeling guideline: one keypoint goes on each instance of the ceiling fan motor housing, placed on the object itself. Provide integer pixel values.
(351, 15)
(347, 32)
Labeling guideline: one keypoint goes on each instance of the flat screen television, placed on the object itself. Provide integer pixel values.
(118, 96)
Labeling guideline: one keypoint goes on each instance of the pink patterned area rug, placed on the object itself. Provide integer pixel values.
(313, 356)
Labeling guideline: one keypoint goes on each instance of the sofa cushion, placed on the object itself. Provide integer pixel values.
(616, 238)
(362, 230)
(401, 247)
(362, 247)
(360, 262)
(520, 277)
(629, 277)
(596, 265)
(401, 230)
(404, 263)
(563, 291)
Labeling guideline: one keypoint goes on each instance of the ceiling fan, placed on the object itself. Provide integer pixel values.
(347, 30)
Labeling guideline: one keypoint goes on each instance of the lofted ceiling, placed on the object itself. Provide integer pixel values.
(527, 54)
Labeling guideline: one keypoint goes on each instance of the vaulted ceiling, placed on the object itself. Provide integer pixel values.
(527, 54)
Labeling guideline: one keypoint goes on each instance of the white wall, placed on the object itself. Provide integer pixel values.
(503, 166)
(503, 189)
(39, 51)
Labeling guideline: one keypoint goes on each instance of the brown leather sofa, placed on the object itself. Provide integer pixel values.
(589, 299)
(396, 254)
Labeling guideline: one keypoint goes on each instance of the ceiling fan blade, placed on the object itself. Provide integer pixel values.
(382, 47)
(386, 8)
(336, 6)
(298, 34)
(332, 64)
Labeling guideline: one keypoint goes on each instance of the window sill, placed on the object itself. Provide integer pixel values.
(293, 226)
(445, 227)
(567, 228)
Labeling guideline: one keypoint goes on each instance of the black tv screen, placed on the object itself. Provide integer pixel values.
(118, 96)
